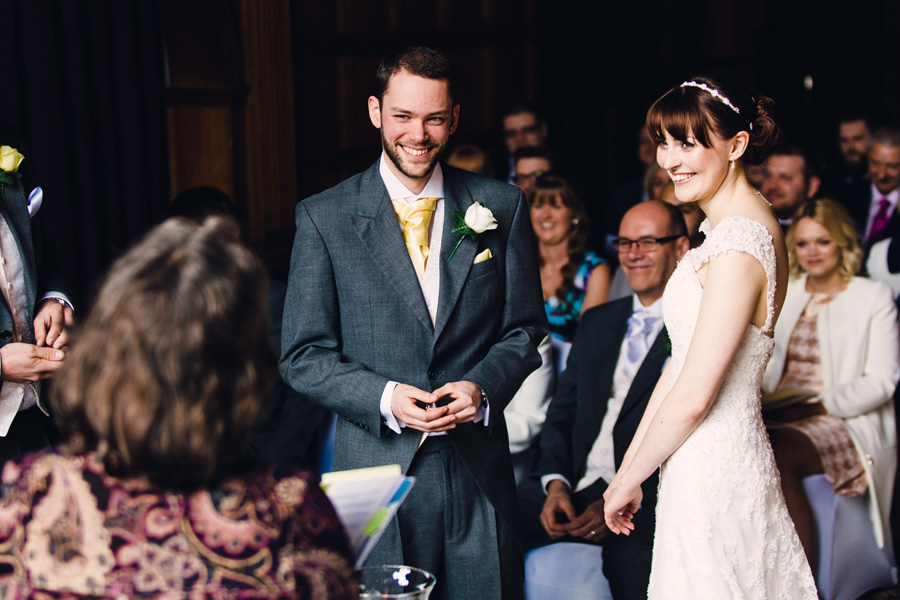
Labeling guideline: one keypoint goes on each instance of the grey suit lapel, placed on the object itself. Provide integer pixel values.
(377, 226)
(457, 198)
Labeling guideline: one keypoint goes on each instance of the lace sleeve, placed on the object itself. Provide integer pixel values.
(742, 234)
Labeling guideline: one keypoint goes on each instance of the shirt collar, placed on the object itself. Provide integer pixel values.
(893, 197)
(433, 189)
(654, 309)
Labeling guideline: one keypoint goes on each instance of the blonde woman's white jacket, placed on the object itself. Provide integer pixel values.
(860, 354)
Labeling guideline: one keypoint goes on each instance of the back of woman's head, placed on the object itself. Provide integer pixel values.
(715, 105)
(831, 215)
(165, 376)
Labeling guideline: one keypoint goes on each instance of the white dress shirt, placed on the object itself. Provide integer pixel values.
(431, 282)
(601, 459)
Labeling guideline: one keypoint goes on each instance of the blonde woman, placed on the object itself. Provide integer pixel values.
(836, 342)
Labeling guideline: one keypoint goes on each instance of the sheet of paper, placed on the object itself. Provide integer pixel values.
(366, 500)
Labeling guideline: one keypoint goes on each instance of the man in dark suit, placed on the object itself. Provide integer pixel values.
(617, 355)
(34, 308)
(873, 203)
(789, 180)
(418, 335)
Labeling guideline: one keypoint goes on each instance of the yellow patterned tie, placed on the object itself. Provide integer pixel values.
(415, 217)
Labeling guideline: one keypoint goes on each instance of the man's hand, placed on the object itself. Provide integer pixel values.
(430, 420)
(558, 511)
(591, 525)
(466, 399)
(27, 363)
(50, 324)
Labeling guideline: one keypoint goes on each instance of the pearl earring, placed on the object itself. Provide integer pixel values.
(574, 221)
(732, 165)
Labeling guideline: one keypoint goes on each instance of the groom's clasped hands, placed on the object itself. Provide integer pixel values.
(460, 401)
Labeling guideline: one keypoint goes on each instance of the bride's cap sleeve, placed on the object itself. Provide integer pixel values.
(743, 234)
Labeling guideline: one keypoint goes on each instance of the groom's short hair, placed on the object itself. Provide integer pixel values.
(417, 60)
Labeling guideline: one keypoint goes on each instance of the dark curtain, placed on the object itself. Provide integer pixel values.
(84, 81)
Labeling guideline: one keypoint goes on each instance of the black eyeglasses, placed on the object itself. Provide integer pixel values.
(524, 178)
(647, 244)
(527, 130)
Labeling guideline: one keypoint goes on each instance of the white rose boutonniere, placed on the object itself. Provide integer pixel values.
(476, 220)
(10, 159)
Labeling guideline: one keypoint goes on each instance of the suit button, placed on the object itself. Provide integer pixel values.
(5, 334)
(431, 374)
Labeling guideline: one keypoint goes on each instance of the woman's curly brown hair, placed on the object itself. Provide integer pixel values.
(167, 372)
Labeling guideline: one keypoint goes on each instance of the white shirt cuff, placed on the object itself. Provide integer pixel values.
(58, 296)
(546, 479)
(387, 414)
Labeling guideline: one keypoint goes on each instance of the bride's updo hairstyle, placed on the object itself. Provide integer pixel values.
(708, 106)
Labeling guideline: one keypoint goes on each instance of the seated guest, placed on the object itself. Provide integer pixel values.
(573, 278)
(855, 129)
(789, 180)
(471, 158)
(873, 202)
(618, 354)
(523, 125)
(836, 357)
(693, 216)
(151, 495)
(530, 163)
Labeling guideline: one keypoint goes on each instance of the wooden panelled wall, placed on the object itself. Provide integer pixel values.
(267, 100)
(491, 44)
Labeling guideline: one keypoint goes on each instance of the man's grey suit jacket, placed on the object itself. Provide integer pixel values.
(355, 318)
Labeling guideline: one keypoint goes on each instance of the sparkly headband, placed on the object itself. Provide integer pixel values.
(715, 94)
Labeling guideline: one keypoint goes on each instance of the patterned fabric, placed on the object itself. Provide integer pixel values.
(564, 316)
(67, 530)
(722, 526)
(803, 364)
(827, 433)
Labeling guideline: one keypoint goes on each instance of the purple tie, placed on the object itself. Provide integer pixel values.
(881, 220)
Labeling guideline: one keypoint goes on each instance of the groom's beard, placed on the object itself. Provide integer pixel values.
(394, 153)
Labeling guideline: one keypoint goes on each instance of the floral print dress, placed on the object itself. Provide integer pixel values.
(564, 315)
(68, 529)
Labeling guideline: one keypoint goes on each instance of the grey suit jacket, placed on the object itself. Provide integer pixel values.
(355, 318)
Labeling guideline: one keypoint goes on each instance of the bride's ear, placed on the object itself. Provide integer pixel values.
(739, 144)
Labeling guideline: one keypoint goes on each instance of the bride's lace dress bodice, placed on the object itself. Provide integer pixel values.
(723, 530)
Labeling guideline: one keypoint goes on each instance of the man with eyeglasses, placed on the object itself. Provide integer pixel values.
(617, 355)
(530, 163)
(522, 126)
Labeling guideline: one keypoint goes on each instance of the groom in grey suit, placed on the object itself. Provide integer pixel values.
(417, 338)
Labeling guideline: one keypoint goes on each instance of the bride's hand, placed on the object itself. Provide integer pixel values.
(620, 506)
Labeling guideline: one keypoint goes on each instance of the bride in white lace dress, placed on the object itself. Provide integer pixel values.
(722, 528)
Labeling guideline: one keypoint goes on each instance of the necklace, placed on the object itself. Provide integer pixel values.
(549, 269)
